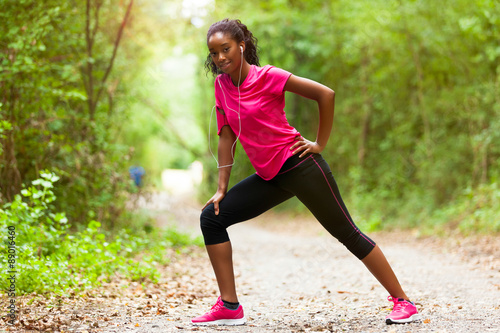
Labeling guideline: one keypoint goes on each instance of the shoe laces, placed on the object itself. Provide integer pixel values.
(399, 305)
(216, 307)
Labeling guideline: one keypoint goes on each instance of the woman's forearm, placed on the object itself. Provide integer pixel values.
(326, 105)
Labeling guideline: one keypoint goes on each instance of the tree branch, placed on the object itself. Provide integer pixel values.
(115, 49)
(90, 69)
(96, 19)
(171, 128)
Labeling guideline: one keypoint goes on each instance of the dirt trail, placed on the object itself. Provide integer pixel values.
(306, 281)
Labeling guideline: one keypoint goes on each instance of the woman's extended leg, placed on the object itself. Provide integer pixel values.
(378, 265)
(314, 185)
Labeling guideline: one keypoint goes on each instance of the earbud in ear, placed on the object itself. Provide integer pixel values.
(241, 48)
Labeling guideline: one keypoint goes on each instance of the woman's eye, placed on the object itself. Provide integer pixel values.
(226, 49)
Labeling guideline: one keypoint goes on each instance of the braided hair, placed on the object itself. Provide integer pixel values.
(239, 32)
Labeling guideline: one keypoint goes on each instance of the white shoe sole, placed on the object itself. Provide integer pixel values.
(225, 322)
(415, 317)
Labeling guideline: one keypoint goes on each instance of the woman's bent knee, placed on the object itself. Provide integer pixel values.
(212, 227)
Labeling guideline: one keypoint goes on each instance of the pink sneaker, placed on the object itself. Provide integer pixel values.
(403, 312)
(220, 315)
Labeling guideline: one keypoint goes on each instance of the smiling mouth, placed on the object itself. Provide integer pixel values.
(224, 65)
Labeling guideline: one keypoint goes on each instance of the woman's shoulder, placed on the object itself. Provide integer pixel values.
(265, 68)
(270, 70)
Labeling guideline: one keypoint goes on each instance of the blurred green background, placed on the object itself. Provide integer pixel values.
(91, 88)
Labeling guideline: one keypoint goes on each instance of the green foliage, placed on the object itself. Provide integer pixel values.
(5, 126)
(57, 88)
(474, 211)
(416, 121)
(52, 259)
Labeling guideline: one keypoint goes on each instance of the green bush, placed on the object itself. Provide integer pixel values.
(475, 210)
(52, 259)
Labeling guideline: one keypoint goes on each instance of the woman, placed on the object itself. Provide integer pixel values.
(249, 104)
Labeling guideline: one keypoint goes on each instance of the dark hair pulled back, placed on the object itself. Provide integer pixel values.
(239, 32)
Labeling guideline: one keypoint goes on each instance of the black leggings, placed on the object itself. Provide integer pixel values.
(310, 179)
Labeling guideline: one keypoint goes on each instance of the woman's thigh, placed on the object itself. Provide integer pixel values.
(248, 199)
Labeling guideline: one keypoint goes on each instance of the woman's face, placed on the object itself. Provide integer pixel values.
(225, 52)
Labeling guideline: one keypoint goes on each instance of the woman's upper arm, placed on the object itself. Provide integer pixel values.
(227, 133)
(307, 88)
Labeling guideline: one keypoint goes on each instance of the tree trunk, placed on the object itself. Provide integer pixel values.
(367, 113)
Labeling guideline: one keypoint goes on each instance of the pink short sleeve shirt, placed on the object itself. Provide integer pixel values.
(262, 126)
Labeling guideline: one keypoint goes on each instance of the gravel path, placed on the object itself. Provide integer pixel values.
(305, 281)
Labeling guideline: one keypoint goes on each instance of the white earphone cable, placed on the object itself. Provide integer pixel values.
(227, 108)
